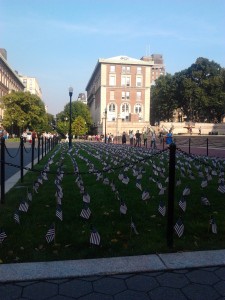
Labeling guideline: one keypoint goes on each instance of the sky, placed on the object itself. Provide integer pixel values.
(60, 41)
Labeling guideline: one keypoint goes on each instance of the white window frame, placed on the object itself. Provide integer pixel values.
(112, 69)
(112, 80)
(138, 81)
(138, 95)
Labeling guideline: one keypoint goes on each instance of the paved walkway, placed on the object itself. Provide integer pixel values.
(178, 276)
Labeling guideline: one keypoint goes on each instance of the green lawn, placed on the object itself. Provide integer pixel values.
(26, 241)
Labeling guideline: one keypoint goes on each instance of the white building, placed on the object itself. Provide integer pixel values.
(31, 85)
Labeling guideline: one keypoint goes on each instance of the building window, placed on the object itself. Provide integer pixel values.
(125, 69)
(137, 108)
(112, 69)
(139, 81)
(112, 95)
(125, 108)
(112, 107)
(112, 80)
(125, 80)
(138, 70)
(138, 96)
(125, 95)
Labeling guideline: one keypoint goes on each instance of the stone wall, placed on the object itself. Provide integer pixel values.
(182, 127)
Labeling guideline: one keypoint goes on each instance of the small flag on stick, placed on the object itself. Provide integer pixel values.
(123, 208)
(24, 206)
(162, 208)
(183, 204)
(59, 213)
(2, 235)
(212, 222)
(50, 235)
(16, 217)
(186, 191)
(179, 227)
(133, 227)
(95, 237)
(86, 212)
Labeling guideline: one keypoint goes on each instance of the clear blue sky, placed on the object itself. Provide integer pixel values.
(60, 41)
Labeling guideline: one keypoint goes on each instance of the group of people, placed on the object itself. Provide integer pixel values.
(135, 139)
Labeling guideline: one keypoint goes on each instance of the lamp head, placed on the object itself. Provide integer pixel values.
(70, 91)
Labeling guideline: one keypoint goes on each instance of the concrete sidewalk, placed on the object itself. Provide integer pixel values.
(106, 266)
(177, 276)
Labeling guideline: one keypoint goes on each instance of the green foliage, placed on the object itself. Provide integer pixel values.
(24, 110)
(198, 91)
(77, 109)
(79, 126)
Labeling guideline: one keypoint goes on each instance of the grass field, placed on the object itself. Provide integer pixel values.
(100, 171)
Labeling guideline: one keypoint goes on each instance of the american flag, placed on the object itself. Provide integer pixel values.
(3, 235)
(24, 206)
(186, 191)
(86, 197)
(125, 179)
(86, 212)
(162, 208)
(113, 187)
(205, 201)
(120, 176)
(145, 195)
(204, 183)
(50, 235)
(183, 204)
(178, 182)
(212, 222)
(133, 227)
(162, 191)
(59, 213)
(16, 217)
(95, 237)
(138, 185)
(221, 188)
(29, 196)
(179, 227)
(123, 208)
(44, 175)
(40, 180)
(106, 181)
(36, 186)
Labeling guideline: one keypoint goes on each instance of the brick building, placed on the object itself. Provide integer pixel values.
(119, 90)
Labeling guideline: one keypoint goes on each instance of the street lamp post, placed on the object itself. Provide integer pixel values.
(70, 133)
(105, 123)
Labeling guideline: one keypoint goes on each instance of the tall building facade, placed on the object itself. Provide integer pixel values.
(82, 98)
(31, 85)
(118, 94)
(9, 79)
(158, 68)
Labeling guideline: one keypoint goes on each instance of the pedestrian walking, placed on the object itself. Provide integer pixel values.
(124, 139)
(145, 139)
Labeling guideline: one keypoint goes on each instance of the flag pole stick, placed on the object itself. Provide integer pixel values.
(171, 188)
(54, 235)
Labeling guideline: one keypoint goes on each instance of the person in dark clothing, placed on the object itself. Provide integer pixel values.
(138, 139)
(124, 139)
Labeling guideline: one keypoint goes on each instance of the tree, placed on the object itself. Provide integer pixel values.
(201, 91)
(77, 109)
(24, 110)
(79, 126)
(198, 91)
(162, 98)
